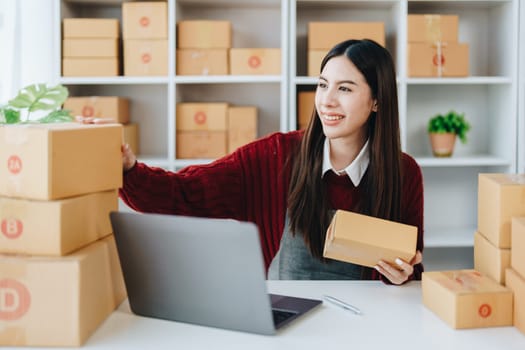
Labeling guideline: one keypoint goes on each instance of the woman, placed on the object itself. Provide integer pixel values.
(289, 184)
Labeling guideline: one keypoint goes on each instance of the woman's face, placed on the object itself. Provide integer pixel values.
(343, 100)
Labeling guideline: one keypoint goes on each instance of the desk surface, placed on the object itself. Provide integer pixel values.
(393, 318)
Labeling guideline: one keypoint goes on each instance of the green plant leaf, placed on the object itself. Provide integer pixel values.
(39, 97)
(9, 116)
(58, 116)
(450, 122)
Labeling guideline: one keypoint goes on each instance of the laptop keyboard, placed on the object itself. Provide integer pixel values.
(280, 315)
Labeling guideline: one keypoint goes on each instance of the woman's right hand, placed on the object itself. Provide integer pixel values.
(128, 157)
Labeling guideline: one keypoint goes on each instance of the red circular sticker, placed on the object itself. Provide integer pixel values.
(146, 58)
(254, 61)
(199, 118)
(11, 228)
(438, 60)
(485, 310)
(144, 21)
(14, 299)
(88, 111)
(14, 164)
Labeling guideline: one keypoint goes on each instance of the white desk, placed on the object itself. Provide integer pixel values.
(393, 318)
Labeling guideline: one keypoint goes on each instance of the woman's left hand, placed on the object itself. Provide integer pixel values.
(399, 273)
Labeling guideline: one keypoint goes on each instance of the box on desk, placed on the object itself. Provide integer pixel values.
(54, 161)
(113, 107)
(364, 240)
(467, 299)
(517, 256)
(59, 301)
(500, 197)
(131, 136)
(55, 228)
(516, 283)
(489, 259)
(202, 61)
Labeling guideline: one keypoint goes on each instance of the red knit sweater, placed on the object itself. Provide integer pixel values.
(251, 184)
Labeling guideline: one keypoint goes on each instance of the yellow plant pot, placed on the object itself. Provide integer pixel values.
(442, 144)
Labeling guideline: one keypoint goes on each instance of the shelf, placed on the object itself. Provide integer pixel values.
(120, 80)
(227, 79)
(481, 160)
(449, 238)
(460, 81)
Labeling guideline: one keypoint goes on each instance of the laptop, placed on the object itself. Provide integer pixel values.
(203, 271)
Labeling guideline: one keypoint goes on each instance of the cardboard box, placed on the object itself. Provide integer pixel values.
(202, 61)
(197, 34)
(500, 197)
(364, 240)
(131, 136)
(489, 259)
(55, 161)
(113, 107)
(90, 28)
(516, 283)
(145, 20)
(59, 301)
(467, 299)
(305, 108)
(90, 48)
(255, 61)
(433, 28)
(90, 67)
(55, 228)
(201, 144)
(517, 256)
(315, 58)
(325, 35)
(202, 116)
(145, 57)
(242, 126)
(438, 60)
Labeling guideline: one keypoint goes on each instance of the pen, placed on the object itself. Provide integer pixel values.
(342, 304)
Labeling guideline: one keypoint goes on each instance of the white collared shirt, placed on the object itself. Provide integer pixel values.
(354, 170)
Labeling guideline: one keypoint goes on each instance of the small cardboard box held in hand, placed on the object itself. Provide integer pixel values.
(467, 299)
(364, 240)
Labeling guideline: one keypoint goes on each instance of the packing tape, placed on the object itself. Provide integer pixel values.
(433, 28)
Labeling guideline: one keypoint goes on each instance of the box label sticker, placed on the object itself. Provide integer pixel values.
(199, 118)
(485, 310)
(15, 300)
(11, 228)
(14, 164)
(254, 62)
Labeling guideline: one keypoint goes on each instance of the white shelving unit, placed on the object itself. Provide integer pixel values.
(488, 97)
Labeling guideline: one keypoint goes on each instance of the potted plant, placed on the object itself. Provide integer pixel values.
(443, 129)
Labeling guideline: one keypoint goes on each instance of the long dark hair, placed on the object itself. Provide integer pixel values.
(308, 206)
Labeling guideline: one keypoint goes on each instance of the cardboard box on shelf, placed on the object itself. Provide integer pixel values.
(325, 35)
(201, 34)
(305, 107)
(489, 259)
(255, 61)
(202, 61)
(242, 126)
(145, 57)
(500, 197)
(517, 258)
(201, 144)
(438, 60)
(90, 67)
(54, 161)
(432, 28)
(90, 28)
(467, 299)
(516, 283)
(364, 240)
(55, 228)
(315, 58)
(113, 107)
(131, 136)
(202, 116)
(90, 47)
(145, 20)
(59, 301)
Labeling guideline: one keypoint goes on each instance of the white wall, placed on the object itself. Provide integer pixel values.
(26, 39)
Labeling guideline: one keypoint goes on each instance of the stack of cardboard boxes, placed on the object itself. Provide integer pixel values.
(205, 48)
(60, 275)
(433, 47)
(211, 130)
(145, 34)
(90, 47)
(113, 107)
(322, 36)
(305, 108)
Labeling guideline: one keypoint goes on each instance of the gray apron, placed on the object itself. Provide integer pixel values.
(294, 261)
